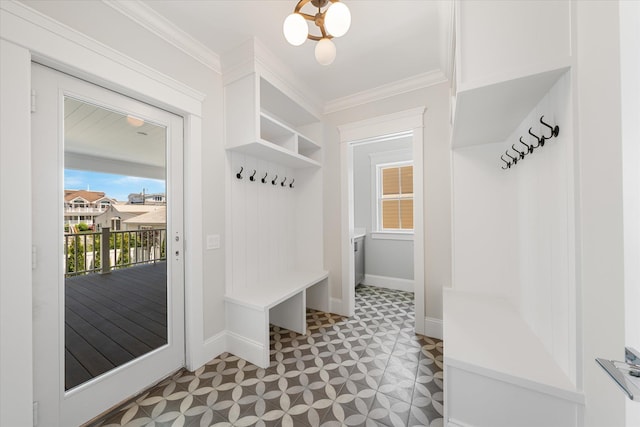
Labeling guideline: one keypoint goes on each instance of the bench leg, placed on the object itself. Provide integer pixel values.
(291, 314)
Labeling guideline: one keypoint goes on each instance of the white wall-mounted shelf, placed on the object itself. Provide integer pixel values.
(491, 111)
(274, 153)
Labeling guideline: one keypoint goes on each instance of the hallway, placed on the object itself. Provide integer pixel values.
(366, 370)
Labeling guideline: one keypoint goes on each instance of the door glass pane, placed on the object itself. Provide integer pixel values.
(115, 228)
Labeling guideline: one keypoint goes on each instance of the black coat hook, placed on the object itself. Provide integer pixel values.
(283, 181)
(514, 160)
(264, 178)
(554, 130)
(252, 177)
(507, 163)
(540, 140)
(529, 147)
(239, 174)
(274, 180)
(520, 153)
(292, 181)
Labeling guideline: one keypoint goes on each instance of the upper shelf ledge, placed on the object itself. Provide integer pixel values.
(490, 112)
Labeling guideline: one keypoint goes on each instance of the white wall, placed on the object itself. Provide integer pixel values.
(630, 84)
(546, 299)
(388, 258)
(599, 205)
(437, 197)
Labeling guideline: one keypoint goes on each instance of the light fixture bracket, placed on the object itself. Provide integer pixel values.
(317, 19)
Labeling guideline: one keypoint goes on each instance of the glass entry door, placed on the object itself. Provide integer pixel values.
(108, 285)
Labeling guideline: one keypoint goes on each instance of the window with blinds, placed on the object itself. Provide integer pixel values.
(395, 197)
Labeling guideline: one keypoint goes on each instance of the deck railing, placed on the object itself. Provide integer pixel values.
(85, 253)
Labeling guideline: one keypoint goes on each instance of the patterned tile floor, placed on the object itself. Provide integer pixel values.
(366, 370)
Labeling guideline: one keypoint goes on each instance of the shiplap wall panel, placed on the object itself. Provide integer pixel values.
(264, 222)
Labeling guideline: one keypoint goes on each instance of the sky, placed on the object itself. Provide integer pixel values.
(114, 186)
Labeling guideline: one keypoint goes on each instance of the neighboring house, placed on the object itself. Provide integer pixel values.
(147, 199)
(132, 217)
(84, 206)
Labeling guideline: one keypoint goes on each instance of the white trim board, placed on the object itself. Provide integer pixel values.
(411, 120)
(419, 81)
(387, 282)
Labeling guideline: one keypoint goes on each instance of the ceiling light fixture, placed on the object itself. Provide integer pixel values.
(136, 122)
(333, 21)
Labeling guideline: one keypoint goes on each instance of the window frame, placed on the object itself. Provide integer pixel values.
(378, 232)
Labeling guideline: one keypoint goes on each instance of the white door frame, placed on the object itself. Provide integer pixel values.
(409, 120)
(27, 35)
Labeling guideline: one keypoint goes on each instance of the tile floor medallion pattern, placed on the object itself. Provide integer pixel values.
(365, 370)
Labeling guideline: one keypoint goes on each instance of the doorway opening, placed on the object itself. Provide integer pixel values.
(386, 208)
(383, 211)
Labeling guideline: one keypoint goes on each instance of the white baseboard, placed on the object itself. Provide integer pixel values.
(388, 282)
(433, 327)
(249, 350)
(215, 346)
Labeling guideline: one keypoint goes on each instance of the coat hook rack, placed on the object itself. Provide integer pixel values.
(540, 140)
(264, 178)
(508, 164)
(529, 147)
(521, 154)
(292, 181)
(555, 130)
(253, 175)
(273, 182)
(283, 181)
(239, 174)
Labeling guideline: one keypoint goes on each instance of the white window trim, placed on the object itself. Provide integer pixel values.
(383, 159)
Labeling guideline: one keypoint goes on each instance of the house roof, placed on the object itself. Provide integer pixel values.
(135, 209)
(89, 196)
(157, 216)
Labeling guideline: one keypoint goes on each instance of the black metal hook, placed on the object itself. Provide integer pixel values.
(283, 181)
(529, 147)
(274, 180)
(292, 181)
(540, 140)
(554, 130)
(508, 163)
(520, 153)
(239, 174)
(514, 160)
(264, 178)
(252, 177)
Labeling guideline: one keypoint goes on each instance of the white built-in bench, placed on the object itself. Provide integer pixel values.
(281, 301)
(496, 370)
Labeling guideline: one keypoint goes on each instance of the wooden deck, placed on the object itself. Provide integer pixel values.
(113, 318)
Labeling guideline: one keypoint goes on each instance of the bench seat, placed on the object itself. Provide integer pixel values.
(281, 301)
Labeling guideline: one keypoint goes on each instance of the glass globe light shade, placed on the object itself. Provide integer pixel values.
(325, 52)
(295, 29)
(337, 19)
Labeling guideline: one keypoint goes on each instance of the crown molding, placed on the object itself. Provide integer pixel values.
(419, 81)
(147, 17)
